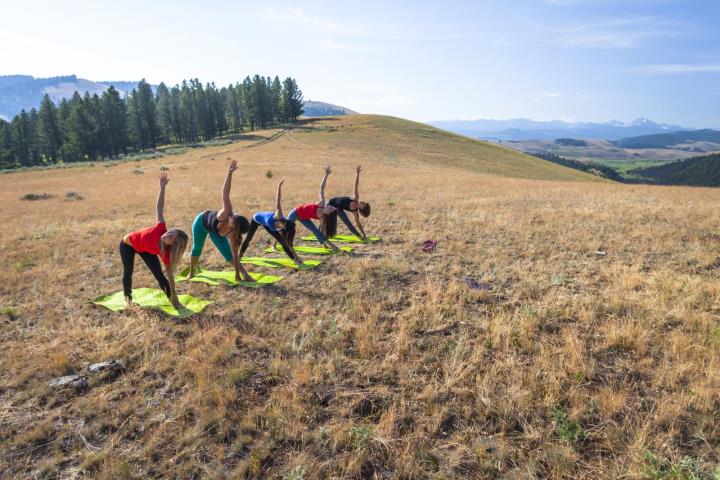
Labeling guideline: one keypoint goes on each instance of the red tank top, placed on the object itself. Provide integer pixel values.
(147, 240)
(307, 211)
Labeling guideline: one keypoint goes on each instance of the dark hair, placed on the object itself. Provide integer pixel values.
(288, 231)
(364, 210)
(328, 224)
(242, 224)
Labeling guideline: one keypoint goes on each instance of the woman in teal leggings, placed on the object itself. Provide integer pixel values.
(225, 229)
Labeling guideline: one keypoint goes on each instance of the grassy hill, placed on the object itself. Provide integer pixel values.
(699, 171)
(397, 140)
(592, 350)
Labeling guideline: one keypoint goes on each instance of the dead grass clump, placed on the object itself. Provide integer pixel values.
(30, 197)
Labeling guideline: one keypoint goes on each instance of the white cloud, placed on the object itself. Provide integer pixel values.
(550, 94)
(677, 68)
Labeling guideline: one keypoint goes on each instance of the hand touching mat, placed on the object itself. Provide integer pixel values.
(154, 299)
(227, 278)
(343, 239)
(309, 250)
(280, 262)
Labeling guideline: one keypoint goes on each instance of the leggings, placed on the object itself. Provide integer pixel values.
(343, 216)
(199, 236)
(315, 230)
(127, 253)
(251, 232)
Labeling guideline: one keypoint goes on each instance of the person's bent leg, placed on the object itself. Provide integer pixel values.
(127, 254)
(316, 231)
(223, 246)
(153, 263)
(343, 216)
(279, 239)
(248, 237)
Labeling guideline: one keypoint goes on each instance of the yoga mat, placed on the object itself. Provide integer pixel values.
(280, 262)
(154, 299)
(343, 239)
(309, 250)
(227, 278)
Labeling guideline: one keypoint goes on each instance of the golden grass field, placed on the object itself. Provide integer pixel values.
(382, 364)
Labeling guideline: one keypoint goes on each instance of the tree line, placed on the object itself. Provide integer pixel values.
(93, 127)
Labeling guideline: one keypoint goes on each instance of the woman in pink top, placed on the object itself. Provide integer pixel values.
(151, 243)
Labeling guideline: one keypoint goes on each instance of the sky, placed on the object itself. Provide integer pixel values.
(575, 60)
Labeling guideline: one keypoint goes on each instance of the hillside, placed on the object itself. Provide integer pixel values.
(563, 330)
(394, 139)
(322, 109)
(698, 171)
(18, 92)
(666, 140)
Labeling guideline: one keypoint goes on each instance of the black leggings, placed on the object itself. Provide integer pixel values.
(127, 253)
(251, 232)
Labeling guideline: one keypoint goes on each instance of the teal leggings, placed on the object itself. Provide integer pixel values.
(199, 235)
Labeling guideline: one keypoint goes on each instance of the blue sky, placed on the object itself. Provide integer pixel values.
(590, 60)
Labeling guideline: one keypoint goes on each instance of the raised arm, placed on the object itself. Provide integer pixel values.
(278, 200)
(227, 210)
(356, 191)
(328, 171)
(160, 205)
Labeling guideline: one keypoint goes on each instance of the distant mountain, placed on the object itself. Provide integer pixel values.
(18, 92)
(698, 171)
(322, 109)
(525, 129)
(665, 140)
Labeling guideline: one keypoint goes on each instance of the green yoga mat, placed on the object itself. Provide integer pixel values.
(227, 278)
(343, 239)
(154, 299)
(280, 262)
(308, 250)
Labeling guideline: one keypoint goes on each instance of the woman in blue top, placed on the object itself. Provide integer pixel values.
(275, 224)
(225, 229)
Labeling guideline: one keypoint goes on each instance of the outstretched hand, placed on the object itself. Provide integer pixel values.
(281, 182)
(233, 166)
(164, 180)
(358, 169)
(328, 170)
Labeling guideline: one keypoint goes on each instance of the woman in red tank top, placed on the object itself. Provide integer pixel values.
(154, 244)
(308, 212)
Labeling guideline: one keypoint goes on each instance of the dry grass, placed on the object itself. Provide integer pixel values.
(575, 365)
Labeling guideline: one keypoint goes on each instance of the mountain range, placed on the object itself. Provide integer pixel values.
(526, 129)
(23, 92)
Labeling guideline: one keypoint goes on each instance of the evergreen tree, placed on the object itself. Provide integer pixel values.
(164, 113)
(49, 130)
(292, 100)
(6, 156)
(21, 139)
(79, 130)
(114, 120)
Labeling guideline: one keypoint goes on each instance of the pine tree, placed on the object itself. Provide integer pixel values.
(292, 100)
(6, 157)
(114, 119)
(164, 113)
(49, 130)
(79, 130)
(21, 139)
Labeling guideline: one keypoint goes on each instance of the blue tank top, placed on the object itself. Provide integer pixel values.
(266, 219)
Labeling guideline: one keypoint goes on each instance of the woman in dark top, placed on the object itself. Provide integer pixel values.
(328, 225)
(275, 224)
(151, 243)
(221, 225)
